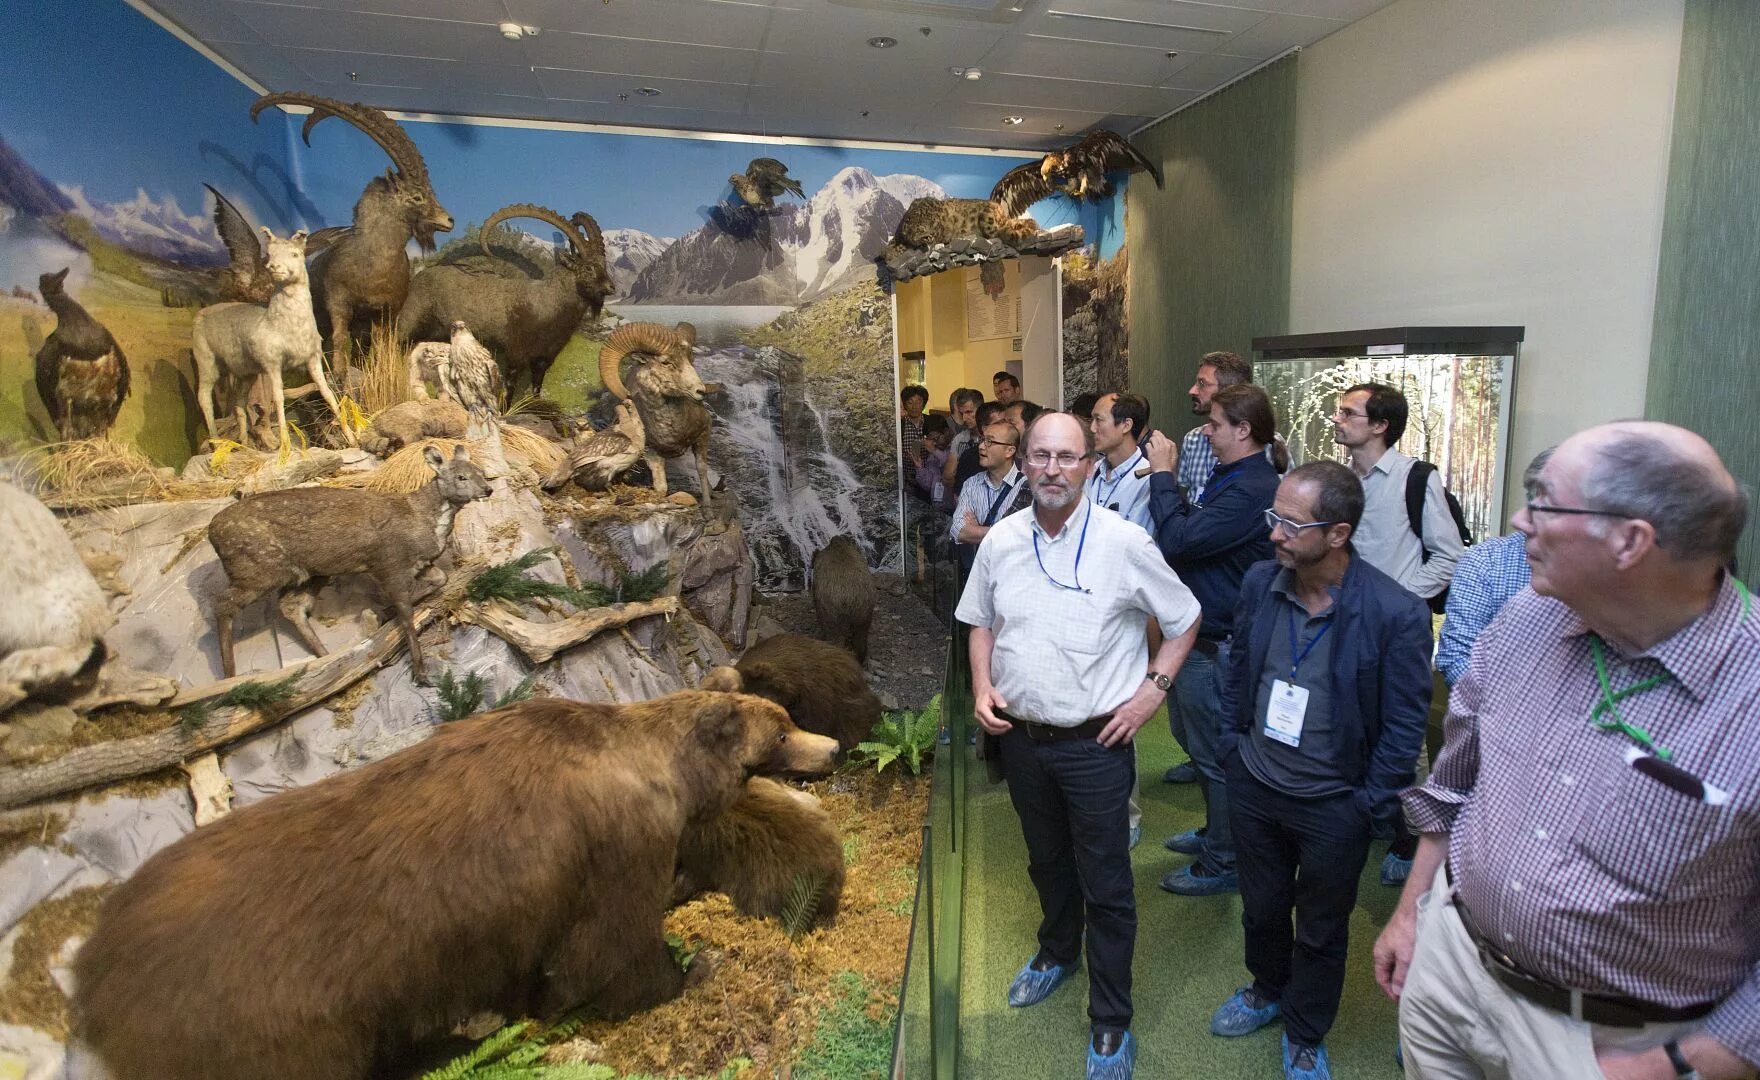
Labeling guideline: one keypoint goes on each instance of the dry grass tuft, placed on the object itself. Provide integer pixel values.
(538, 452)
(29, 995)
(92, 473)
(403, 472)
(384, 372)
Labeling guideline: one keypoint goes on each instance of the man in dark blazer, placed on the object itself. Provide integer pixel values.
(1324, 707)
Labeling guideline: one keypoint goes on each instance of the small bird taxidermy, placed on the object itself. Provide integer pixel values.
(1078, 171)
(764, 180)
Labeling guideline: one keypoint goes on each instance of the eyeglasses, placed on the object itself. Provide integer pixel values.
(1040, 459)
(995, 442)
(1349, 414)
(1294, 528)
(1542, 508)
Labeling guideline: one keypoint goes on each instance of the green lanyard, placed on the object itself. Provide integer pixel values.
(1609, 702)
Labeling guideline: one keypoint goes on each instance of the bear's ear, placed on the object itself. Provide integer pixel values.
(721, 727)
(767, 682)
(725, 679)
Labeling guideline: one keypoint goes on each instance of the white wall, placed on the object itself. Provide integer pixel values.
(1492, 162)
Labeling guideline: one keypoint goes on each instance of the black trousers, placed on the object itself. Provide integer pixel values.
(1299, 862)
(1073, 798)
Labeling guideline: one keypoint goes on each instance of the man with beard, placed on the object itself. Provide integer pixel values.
(1196, 459)
(1006, 387)
(1324, 703)
(1058, 603)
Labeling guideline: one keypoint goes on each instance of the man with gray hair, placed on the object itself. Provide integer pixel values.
(1057, 603)
(1583, 901)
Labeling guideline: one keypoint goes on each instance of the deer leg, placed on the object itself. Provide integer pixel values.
(400, 595)
(296, 606)
(207, 380)
(277, 392)
(225, 609)
(656, 466)
(341, 312)
(315, 372)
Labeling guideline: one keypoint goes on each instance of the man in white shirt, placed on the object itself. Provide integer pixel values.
(1120, 422)
(1370, 419)
(1058, 603)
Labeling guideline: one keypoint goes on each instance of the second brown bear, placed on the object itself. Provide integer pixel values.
(822, 686)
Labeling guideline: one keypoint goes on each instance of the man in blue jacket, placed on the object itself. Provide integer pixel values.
(1210, 547)
(1325, 701)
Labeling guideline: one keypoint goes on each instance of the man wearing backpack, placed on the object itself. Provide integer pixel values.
(1411, 531)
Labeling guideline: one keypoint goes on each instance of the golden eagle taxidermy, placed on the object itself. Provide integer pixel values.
(82, 375)
(764, 179)
(1078, 171)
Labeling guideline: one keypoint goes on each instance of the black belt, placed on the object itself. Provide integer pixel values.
(1211, 647)
(1590, 1008)
(1087, 729)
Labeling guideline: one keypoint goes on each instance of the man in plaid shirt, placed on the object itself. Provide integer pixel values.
(1583, 902)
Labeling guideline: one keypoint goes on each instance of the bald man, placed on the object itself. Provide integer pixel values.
(1583, 901)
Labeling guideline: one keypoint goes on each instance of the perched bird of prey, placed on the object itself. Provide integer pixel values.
(597, 457)
(246, 276)
(1078, 171)
(82, 375)
(470, 376)
(764, 179)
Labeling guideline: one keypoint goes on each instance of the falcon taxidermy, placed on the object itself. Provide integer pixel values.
(471, 377)
(82, 375)
(246, 277)
(1078, 171)
(597, 457)
(764, 179)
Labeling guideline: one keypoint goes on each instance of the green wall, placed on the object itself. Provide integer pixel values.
(1705, 351)
(1210, 254)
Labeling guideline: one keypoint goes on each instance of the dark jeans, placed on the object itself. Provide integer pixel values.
(1300, 857)
(1072, 798)
(1195, 711)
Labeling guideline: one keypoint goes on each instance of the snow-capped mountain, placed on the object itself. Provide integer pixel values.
(629, 251)
(160, 229)
(796, 253)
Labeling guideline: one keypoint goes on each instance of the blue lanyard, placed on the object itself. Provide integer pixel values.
(990, 518)
(1102, 494)
(1296, 658)
(1211, 492)
(1080, 544)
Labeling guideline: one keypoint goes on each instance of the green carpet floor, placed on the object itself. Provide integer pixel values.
(1188, 957)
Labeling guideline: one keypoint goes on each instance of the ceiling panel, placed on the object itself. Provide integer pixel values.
(660, 59)
(769, 67)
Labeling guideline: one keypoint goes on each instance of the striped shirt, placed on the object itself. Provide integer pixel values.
(1062, 654)
(1484, 580)
(1588, 872)
(979, 495)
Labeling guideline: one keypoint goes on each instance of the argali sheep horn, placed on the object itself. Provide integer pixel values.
(531, 210)
(686, 333)
(372, 123)
(641, 337)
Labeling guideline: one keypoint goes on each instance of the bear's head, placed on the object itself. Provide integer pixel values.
(761, 735)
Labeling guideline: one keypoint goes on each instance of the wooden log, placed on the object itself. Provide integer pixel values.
(542, 640)
(107, 763)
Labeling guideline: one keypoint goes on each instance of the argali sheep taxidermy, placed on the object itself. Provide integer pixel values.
(237, 342)
(463, 371)
(82, 375)
(667, 392)
(525, 322)
(282, 539)
(53, 622)
(362, 271)
(596, 458)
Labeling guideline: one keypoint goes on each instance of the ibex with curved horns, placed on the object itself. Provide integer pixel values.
(525, 322)
(668, 394)
(361, 270)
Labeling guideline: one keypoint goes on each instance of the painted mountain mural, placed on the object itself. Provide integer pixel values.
(798, 252)
(628, 252)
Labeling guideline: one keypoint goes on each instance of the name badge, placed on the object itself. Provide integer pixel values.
(1283, 718)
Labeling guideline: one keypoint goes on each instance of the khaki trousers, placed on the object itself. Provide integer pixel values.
(1458, 1023)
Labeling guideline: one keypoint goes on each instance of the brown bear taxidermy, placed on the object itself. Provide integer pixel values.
(772, 842)
(82, 375)
(821, 686)
(519, 862)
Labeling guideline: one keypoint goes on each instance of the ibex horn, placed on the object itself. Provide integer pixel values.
(530, 210)
(372, 123)
(592, 237)
(641, 337)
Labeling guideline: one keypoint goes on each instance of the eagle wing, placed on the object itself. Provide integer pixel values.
(248, 273)
(1021, 187)
(1107, 151)
(772, 177)
(326, 237)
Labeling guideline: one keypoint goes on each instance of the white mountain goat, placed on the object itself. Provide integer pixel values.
(55, 615)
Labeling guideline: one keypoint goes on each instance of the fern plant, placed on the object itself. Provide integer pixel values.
(516, 1052)
(508, 581)
(802, 903)
(460, 698)
(249, 695)
(905, 737)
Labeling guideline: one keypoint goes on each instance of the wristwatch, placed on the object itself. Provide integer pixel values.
(1162, 682)
(1682, 1067)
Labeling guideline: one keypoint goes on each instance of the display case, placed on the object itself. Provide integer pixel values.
(1458, 380)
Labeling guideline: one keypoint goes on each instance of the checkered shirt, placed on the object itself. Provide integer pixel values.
(1484, 580)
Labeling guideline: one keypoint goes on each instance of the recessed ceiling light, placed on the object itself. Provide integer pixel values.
(882, 42)
(1014, 121)
(648, 91)
(974, 74)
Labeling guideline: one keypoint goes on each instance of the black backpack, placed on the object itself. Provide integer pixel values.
(1417, 486)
